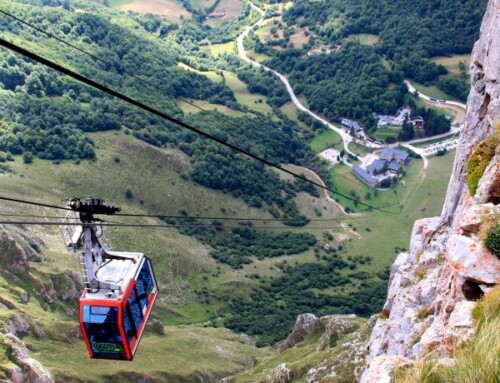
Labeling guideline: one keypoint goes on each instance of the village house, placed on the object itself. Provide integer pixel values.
(364, 176)
(390, 161)
(216, 15)
(348, 124)
(400, 156)
(376, 167)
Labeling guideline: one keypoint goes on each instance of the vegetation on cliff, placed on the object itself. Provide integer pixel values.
(476, 361)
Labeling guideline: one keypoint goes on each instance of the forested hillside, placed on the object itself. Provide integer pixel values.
(359, 78)
(272, 247)
(46, 115)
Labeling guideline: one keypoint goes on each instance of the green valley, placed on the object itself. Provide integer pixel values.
(239, 248)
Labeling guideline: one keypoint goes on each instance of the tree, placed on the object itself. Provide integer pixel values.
(27, 158)
(128, 193)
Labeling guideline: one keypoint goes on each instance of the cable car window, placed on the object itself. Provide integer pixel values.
(135, 310)
(128, 324)
(101, 325)
(144, 285)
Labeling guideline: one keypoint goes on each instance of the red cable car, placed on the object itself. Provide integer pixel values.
(120, 291)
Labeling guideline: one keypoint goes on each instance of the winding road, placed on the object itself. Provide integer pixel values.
(346, 138)
(412, 89)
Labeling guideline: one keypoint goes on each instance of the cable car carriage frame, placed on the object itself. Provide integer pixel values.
(120, 287)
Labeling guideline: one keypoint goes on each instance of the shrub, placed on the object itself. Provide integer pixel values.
(492, 241)
(27, 158)
(128, 193)
(479, 160)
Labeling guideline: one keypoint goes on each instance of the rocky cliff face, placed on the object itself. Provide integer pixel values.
(18, 249)
(434, 286)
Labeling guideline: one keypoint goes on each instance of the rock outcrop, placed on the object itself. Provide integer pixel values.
(22, 368)
(433, 287)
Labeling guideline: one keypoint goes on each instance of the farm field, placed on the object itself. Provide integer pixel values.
(299, 38)
(232, 8)
(217, 49)
(170, 9)
(201, 4)
(212, 75)
(259, 57)
(452, 63)
(365, 38)
(253, 101)
(205, 105)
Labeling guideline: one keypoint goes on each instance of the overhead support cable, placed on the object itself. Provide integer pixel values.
(105, 89)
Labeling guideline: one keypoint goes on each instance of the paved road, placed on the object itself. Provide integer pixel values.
(412, 89)
(346, 138)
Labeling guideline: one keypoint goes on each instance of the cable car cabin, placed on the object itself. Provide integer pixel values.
(112, 319)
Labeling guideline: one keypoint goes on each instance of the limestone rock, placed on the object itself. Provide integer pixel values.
(421, 233)
(26, 369)
(382, 369)
(462, 315)
(426, 310)
(472, 260)
(471, 219)
(12, 256)
(17, 325)
(280, 374)
(483, 110)
(336, 326)
(305, 324)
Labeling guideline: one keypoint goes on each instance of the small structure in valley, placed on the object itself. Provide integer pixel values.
(350, 124)
(389, 164)
(364, 176)
(216, 15)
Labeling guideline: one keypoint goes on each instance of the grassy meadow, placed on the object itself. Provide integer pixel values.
(433, 91)
(387, 131)
(365, 38)
(452, 63)
(325, 139)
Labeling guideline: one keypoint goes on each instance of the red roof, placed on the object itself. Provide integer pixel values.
(217, 14)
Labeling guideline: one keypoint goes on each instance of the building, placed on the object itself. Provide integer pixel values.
(216, 15)
(394, 167)
(351, 124)
(364, 176)
(417, 122)
(400, 156)
(376, 167)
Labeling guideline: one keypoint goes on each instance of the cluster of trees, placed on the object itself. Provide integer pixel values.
(434, 123)
(264, 82)
(455, 87)
(410, 32)
(352, 82)
(272, 308)
(241, 245)
(48, 115)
